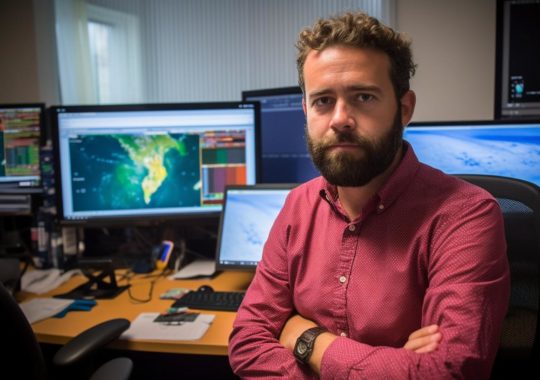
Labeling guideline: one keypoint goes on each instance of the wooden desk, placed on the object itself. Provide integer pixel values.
(214, 342)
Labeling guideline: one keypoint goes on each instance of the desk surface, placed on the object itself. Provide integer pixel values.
(214, 342)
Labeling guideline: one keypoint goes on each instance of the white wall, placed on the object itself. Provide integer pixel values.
(453, 43)
(212, 50)
(454, 47)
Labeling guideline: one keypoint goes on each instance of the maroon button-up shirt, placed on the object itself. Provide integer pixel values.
(427, 249)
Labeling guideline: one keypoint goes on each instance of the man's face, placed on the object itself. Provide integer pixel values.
(354, 122)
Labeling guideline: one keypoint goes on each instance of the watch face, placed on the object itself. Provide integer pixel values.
(304, 344)
(301, 348)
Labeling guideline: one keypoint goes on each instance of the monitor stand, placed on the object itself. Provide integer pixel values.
(97, 286)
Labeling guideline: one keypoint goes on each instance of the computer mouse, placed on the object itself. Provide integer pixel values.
(205, 288)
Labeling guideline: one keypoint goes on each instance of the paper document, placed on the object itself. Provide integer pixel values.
(43, 308)
(195, 269)
(144, 327)
(41, 281)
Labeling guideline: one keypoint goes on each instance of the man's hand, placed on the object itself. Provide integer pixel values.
(424, 340)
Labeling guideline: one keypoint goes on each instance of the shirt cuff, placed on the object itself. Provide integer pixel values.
(341, 356)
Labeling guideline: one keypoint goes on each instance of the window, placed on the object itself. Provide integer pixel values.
(99, 54)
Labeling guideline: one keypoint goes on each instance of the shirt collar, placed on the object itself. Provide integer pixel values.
(398, 181)
(401, 178)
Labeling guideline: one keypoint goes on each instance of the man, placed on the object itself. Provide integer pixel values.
(383, 267)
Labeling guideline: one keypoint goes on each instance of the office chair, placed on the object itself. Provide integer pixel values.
(519, 351)
(20, 353)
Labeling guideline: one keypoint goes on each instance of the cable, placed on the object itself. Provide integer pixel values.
(136, 300)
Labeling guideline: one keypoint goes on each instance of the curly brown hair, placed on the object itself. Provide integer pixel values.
(363, 31)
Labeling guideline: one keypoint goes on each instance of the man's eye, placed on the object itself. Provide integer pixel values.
(323, 101)
(365, 97)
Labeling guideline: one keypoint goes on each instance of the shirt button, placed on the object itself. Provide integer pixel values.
(343, 333)
(381, 207)
(342, 279)
(352, 228)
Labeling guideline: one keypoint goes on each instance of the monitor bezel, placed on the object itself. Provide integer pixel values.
(15, 187)
(150, 219)
(258, 186)
(276, 91)
(465, 123)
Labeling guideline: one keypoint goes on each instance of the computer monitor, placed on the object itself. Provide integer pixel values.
(503, 148)
(22, 131)
(144, 163)
(517, 70)
(248, 215)
(284, 154)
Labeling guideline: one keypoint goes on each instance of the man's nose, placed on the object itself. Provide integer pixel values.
(342, 117)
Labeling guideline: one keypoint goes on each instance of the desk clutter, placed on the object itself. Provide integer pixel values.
(190, 326)
(40, 281)
(38, 309)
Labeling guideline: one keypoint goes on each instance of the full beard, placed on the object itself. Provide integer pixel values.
(353, 169)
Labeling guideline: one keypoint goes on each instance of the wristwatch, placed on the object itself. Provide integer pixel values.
(305, 342)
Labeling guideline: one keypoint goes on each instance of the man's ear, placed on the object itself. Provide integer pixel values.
(304, 107)
(408, 102)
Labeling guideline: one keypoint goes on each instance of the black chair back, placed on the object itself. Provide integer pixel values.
(519, 351)
(18, 342)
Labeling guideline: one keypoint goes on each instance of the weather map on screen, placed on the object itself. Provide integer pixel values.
(134, 171)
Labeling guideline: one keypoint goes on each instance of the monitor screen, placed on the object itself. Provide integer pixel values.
(509, 149)
(517, 85)
(284, 155)
(248, 215)
(22, 131)
(135, 163)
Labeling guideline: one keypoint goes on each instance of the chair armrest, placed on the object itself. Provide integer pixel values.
(89, 341)
(118, 369)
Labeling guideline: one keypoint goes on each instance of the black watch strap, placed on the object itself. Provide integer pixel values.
(305, 342)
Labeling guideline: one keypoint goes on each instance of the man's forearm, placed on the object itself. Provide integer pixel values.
(423, 340)
(292, 330)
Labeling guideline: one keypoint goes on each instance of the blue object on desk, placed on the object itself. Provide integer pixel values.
(77, 305)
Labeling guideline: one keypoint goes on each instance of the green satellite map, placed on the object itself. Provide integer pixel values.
(112, 172)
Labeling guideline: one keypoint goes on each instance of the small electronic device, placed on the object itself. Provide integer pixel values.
(165, 251)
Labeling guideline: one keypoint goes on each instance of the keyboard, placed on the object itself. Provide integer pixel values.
(211, 300)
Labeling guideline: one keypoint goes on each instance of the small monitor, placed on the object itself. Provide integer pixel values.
(517, 70)
(22, 132)
(133, 164)
(284, 154)
(248, 215)
(509, 149)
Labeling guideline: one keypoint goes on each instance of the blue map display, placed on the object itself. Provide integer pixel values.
(510, 151)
